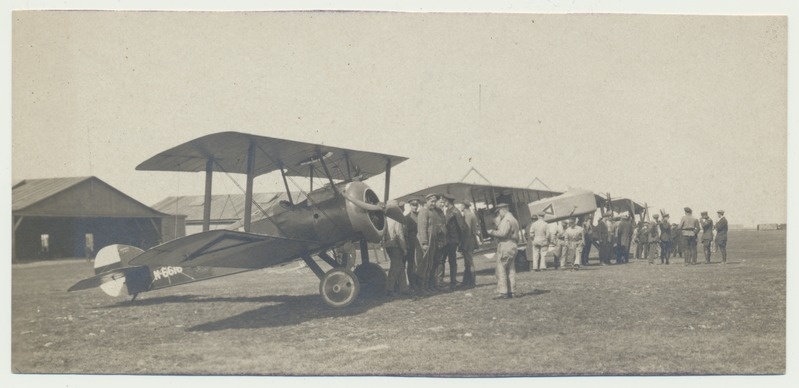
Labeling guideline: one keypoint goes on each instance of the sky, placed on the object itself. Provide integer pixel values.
(672, 111)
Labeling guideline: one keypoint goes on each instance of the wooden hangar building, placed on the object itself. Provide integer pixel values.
(226, 209)
(75, 217)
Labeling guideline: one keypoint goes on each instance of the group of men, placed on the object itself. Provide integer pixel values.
(431, 235)
(664, 240)
(434, 231)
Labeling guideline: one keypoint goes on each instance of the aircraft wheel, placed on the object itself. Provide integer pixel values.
(339, 287)
(371, 275)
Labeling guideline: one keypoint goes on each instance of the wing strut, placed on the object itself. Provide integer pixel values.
(209, 176)
(248, 193)
(286, 183)
(388, 180)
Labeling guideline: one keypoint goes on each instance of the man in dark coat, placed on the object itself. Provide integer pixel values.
(721, 236)
(601, 236)
(665, 240)
(624, 235)
(410, 237)
(707, 235)
(456, 233)
(432, 236)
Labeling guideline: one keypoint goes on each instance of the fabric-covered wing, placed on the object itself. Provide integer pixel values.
(620, 205)
(481, 193)
(223, 248)
(229, 151)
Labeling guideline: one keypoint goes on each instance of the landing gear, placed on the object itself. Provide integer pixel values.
(339, 287)
(371, 275)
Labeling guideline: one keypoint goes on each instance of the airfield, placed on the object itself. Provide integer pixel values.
(634, 319)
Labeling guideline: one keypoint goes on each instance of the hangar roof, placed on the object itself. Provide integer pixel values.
(224, 207)
(86, 196)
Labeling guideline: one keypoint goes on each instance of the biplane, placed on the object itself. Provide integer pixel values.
(341, 211)
(579, 203)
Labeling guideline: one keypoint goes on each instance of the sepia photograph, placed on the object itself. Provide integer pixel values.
(399, 192)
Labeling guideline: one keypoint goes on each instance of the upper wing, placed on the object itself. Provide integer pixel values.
(571, 203)
(620, 205)
(223, 248)
(482, 193)
(229, 150)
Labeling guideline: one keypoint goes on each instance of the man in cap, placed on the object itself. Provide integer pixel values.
(665, 240)
(643, 240)
(654, 238)
(470, 242)
(588, 226)
(689, 227)
(573, 237)
(707, 235)
(539, 237)
(506, 233)
(432, 237)
(602, 236)
(456, 233)
(624, 234)
(721, 236)
(396, 247)
(412, 242)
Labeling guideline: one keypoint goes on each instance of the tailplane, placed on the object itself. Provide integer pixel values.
(113, 273)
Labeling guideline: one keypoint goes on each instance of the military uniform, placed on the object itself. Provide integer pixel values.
(707, 235)
(456, 230)
(431, 237)
(506, 234)
(721, 236)
(468, 246)
(539, 236)
(665, 240)
(689, 227)
(654, 240)
(573, 237)
(396, 247)
(412, 242)
(624, 234)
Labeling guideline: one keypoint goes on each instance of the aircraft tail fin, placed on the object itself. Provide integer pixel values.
(112, 271)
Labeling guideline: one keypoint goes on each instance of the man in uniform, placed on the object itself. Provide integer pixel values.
(456, 233)
(556, 242)
(506, 233)
(654, 239)
(721, 236)
(624, 234)
(601, 235)
(643, 239)
(540, 240)
(469, 244)
(587, 232)
(676, 241)
(573, 236)
(689, 227)
(665, 240)
(707, 235)
(432, 237)
(396, 247)
(411, 240)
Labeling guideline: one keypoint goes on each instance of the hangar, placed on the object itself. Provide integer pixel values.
(73, 217)
(226, 209)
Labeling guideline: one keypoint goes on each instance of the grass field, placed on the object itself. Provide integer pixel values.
(635, 319)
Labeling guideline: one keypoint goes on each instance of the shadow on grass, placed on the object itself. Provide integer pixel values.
(290, 310)
(282, 310)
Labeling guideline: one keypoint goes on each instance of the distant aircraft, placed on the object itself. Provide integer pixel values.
(342, 211)
(578, 203)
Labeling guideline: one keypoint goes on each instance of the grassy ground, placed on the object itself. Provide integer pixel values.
(635, 319)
